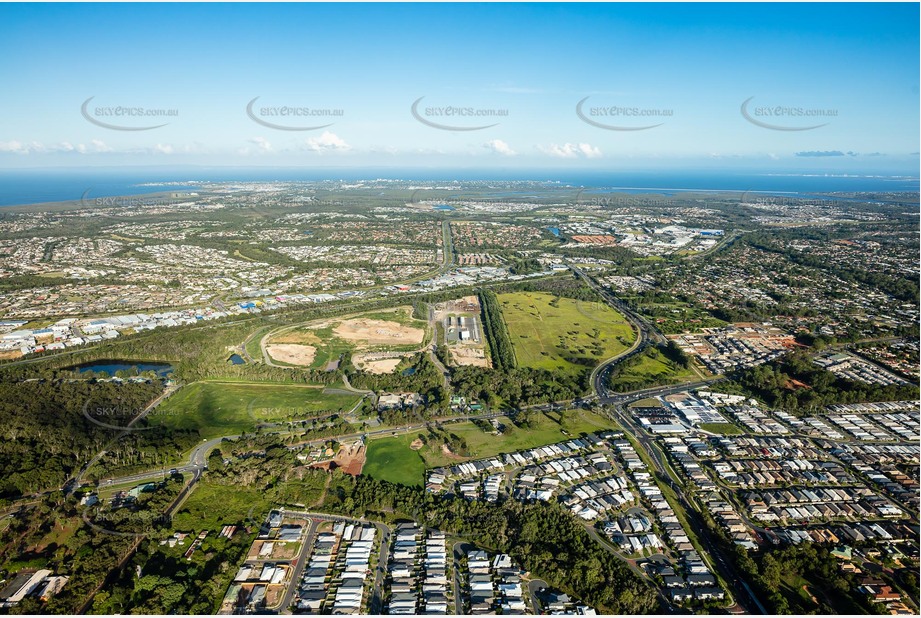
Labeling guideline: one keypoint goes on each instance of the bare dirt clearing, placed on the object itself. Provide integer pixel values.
(378, 366)
(473, 357)
(469, 305)
(447, 452)
(292, 353)
(378, 332)
(351, 458)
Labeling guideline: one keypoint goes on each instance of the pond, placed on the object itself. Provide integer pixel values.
(408, 371)
(236, 359)
(111, 367)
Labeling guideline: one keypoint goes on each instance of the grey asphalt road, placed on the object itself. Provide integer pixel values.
(299, 563)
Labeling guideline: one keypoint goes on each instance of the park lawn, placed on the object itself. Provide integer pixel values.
(649, 402)
(726, 429)
(563, 334)
(391, 459)
(651, 369)
(226, 408)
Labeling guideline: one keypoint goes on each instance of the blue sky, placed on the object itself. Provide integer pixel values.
(687, 67)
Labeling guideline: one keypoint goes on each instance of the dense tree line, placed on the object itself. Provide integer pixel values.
(500, 344)
(774, 570)
(525, 266)
(567, 285)
(621, 378)
(673, 352)
(776, 383)
(519, 386)
(418, 375)
(45, 434)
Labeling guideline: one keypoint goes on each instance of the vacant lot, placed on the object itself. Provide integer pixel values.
(377, 362)
(390, 459)
(378, 331)
(562, 334)
(292, 353)
(726, 429)
(650, 369)
(469, 355)
(227, 408)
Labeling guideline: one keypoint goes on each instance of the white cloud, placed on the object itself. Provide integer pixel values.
(262, 146)
(499, 147)
(571, 151)
(35, 147)
(13, 146)
(163, 149)
(262, 143)
(327, 142)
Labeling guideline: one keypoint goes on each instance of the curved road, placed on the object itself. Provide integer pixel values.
(645, 334)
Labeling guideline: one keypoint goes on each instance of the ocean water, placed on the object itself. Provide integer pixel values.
(37, 186)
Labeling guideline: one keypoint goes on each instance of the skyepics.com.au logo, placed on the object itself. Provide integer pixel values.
(121, 418)
(785, 117)
(456, 118)
(128, 201)
(621, 118)
(768, 201)
(623, 201)
(290, 117)
(125, 523)
(125, 117)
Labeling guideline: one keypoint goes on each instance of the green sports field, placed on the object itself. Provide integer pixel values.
(391, 459)
(562, 334)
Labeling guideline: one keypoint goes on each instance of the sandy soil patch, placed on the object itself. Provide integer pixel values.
(292, 353)
(447, 452)
(473, 357)
(386, 365)
(377, 332)
(416, 444)
(378, 362)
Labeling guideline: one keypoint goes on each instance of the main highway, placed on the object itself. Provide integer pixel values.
(615, 404)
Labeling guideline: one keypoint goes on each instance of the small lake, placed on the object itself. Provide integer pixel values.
(408, 371)
(554, 230)
(111, 367)
(236, 359)
(442, 207)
